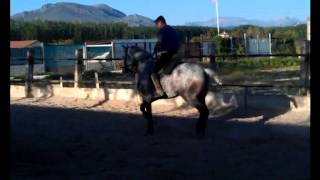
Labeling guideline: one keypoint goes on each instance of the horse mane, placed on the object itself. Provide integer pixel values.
(134, 50)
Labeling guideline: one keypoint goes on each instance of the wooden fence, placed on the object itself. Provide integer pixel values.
(305, 70)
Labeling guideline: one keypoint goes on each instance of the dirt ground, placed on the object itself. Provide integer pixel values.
(61, 138)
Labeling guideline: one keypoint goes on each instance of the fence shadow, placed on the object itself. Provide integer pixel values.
(46, 90)
(106, 97)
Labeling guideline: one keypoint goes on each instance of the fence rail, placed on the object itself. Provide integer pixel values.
(202, 56)
(133, 83)
(79, 58)
(97, 83)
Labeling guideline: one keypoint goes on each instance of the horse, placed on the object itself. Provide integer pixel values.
(189, 80)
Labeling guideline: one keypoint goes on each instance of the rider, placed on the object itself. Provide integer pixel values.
(167, 46)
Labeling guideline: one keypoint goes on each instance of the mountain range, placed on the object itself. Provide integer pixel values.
(102, 13)
(73, 12)
(237, 21)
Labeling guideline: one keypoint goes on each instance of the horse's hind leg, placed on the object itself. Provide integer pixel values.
(146, 110)
(201, 106)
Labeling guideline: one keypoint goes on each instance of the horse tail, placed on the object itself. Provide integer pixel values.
(212, 75)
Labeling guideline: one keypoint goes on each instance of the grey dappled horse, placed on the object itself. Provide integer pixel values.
(189, 80)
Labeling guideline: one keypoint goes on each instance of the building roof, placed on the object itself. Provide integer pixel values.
(120, 41)
(98, 42)
(22, 44)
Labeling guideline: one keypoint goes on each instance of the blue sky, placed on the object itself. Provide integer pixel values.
(181, 11)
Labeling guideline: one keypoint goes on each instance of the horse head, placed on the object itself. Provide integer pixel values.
(135, 55)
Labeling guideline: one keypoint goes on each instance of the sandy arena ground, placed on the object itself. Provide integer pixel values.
(61, 138)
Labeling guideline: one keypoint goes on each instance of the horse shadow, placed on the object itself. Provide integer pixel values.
(261, 107)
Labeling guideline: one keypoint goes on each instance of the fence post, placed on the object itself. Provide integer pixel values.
(96, 77)
(305, 67)
(29, 73)
(258, 51)
(245, 42)
(231, 44)
(308, 52)
(213, 63)
(150, 48)
(145, 45)
(77, 69)
(124, 70)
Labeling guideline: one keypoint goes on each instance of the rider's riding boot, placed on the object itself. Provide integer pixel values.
(157, 84)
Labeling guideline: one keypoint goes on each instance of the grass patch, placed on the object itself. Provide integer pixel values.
(260, 70)
(256, 63)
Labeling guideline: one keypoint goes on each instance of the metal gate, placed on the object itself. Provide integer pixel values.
(258, 46)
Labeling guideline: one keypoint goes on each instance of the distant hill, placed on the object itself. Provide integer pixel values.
(228, 22)
(73, 12)
(137, 20)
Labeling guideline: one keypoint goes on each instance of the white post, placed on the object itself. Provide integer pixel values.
(85, 55)
(77, 65)
(308, 29)
(270, 45)
(217, 11)
(61, 82)
(97, 80)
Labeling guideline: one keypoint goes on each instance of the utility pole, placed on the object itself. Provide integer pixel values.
(217, 10)
(217, 13)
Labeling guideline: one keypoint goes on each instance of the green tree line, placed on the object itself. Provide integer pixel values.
(77, 33)
(63, 32)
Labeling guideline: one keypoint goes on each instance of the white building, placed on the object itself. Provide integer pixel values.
(18, 57)
(113, 50)
(224, 35)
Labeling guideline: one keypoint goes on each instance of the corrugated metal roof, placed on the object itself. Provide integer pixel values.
(134, 40)
(22, 44)
(120, 41)
(98, 42)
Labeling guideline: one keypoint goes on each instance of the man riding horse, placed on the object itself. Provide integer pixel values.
(167, 46)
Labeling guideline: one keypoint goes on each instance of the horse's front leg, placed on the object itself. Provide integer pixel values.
(146, 110)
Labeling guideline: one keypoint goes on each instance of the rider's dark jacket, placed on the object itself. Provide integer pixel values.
(168, 40)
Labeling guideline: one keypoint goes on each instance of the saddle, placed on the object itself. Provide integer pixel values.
(168, 68)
